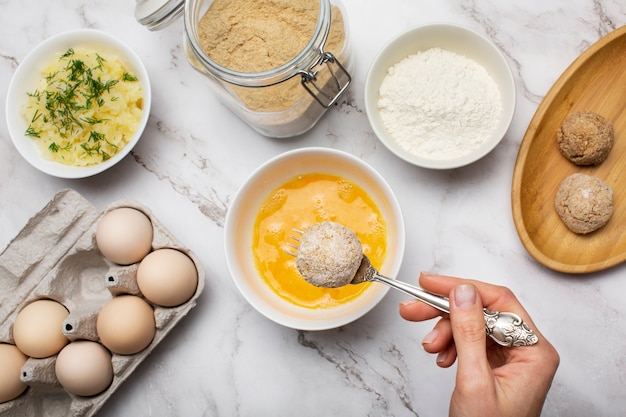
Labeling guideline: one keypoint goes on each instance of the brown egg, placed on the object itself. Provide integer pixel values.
(126, 324)
(167, 277)
(11, 362)
(124, 235)
(38, 328)
(84, 368)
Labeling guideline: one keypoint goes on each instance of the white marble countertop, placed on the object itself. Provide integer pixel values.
(225, 359)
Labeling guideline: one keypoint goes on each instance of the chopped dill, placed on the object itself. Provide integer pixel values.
(36, 116)
(92, 120)
(68, 53)
(100, 60)
(128, 77)
(32, 132)
(56, 148)
(96, 136)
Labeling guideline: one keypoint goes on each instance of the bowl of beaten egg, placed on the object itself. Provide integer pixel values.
(440, 96)
(295, 190)
(78, 103)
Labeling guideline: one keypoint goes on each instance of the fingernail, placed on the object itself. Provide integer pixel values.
(430, 337)
(442, 356)
(409, 302)
(464, 296)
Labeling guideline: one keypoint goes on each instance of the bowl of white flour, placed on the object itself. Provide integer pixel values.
(440, 96)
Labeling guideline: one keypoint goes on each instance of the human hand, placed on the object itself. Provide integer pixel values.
(491, 380)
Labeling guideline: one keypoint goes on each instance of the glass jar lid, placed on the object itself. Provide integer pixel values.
(156, 14)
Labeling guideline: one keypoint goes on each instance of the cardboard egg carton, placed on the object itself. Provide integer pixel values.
(55, 256)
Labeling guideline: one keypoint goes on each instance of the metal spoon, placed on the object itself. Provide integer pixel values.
(507, 329)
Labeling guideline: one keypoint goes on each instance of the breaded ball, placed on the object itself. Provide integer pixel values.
(584, 203)
(585, 138)
(329, 255)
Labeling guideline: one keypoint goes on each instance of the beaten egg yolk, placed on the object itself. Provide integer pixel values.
(299, 203)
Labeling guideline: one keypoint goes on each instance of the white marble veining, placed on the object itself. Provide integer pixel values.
(225, 359)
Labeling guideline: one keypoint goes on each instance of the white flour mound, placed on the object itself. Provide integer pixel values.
(439, 105)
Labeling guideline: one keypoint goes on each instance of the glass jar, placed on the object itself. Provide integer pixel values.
(285, 90)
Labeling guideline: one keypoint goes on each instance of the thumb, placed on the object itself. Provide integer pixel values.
(468, 329)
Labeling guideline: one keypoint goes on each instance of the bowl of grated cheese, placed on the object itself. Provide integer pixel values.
(78, 103)
(440, 96)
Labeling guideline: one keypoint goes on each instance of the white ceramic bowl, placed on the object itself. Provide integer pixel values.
(452, 38)
(238, 234)
(28, 75)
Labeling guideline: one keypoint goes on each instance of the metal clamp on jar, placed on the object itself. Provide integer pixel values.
(278, 64)
(339, 80)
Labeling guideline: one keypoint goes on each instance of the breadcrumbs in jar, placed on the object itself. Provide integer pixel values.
(279, 64)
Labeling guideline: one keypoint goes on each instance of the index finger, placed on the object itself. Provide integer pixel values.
(494, 297)
(443, 284)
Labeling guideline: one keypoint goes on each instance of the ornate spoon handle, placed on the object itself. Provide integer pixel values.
(507, 329)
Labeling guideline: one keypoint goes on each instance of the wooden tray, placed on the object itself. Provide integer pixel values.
(595, 81)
